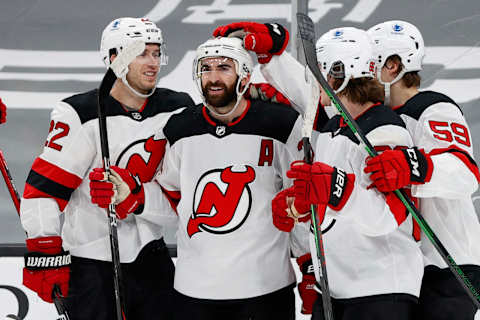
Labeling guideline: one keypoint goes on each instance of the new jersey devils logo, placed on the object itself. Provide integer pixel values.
(142, 157)
(222, 200)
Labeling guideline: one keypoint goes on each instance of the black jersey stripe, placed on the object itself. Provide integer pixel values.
(48, 186)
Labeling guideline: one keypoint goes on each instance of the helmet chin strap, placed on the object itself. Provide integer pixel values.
(239, 96)
(387, 85)
(141, 95)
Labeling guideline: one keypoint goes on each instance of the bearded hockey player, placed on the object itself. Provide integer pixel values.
(225, 160)
(440, 168)
(58, 184)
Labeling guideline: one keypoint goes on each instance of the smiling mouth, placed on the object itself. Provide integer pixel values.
(151, 75)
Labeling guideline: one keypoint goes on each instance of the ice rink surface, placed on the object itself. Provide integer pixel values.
(49, 50)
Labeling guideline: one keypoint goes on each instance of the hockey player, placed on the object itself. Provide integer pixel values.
(3, 112)
(440, 167)
(225, 159)
(58, 183)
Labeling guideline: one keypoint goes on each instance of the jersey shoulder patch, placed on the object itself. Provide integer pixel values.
(376, 116)
(416, 105)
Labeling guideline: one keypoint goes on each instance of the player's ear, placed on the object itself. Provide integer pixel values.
(394, 66)
(112, 57)
(245, 80)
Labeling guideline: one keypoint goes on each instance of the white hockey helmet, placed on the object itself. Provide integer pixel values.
(346, 53)
(398, 38)
(226, 47)
(119, 33)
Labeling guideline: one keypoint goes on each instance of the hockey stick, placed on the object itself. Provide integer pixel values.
(307, 33)
(307, 128)
(7, 177)
(120, 65)
(103, 92)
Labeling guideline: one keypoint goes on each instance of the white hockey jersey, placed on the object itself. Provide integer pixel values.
(58, 181)
(436, 124)
(366, 252)
(225, 177)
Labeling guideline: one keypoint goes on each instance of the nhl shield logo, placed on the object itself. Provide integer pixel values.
(220, 130)
(136, 115)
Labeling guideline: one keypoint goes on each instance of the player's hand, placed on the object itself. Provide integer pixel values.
(46, 265)
(321, 184)
(395, 169)
(3, 112)
(264, 39)
(121, 188)
(286, 211)
(266, 92)
(306, 288)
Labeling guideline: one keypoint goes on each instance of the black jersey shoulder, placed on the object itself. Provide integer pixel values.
(416, 105)
(375, 117)
(263, 118)
(162, 100)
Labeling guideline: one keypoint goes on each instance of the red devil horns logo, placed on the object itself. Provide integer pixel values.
(216, 210)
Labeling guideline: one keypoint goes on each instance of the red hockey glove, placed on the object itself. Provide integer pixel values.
(264, 39)
(285, 213)
(395, 169)
(321, 184)
(46, 264)
(306, 288)
(122, 189)
(3, 112)
(266, 92)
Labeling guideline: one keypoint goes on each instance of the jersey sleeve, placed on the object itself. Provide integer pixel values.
(56, 173)
(169, 176)
(443, 132)
(287, 75)
(367, 206)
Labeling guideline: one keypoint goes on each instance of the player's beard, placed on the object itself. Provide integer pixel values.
(220, 101)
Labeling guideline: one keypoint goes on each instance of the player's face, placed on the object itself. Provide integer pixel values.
(219, 80)
(324, 99)
(143, 71)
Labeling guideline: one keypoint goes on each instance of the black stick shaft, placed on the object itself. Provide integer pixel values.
(103, 93)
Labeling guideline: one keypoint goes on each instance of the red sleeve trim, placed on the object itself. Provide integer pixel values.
(173, 198)
(461, 154)
(56, 174)
(31, 192)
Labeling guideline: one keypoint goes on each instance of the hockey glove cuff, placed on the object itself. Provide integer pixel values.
(306, 288)
(395, 169)
(321, 184)
(264, 39)
(46, 265)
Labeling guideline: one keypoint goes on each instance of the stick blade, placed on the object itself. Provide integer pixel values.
(306, 27)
